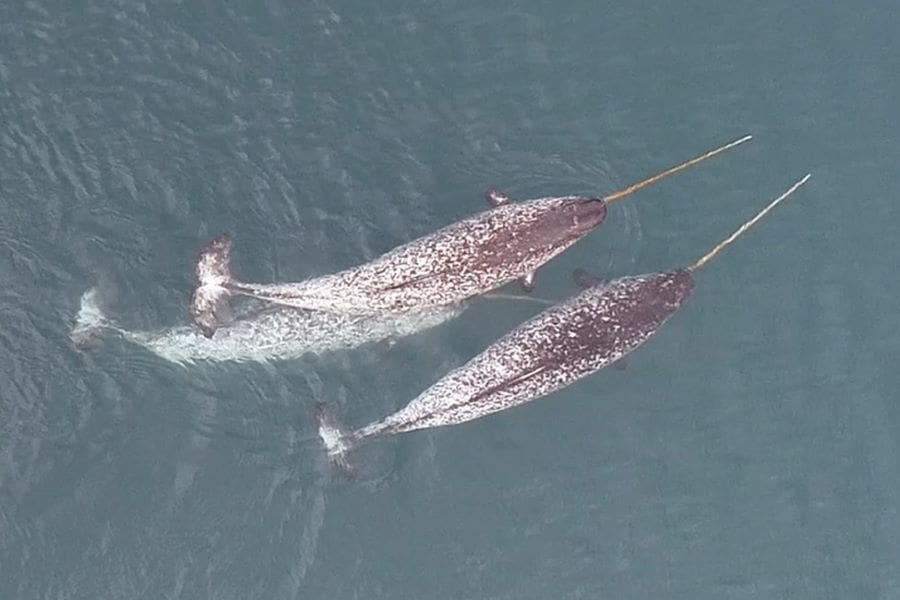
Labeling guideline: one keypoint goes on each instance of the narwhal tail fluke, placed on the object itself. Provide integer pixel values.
(337, 438)
(91, 321)
(209, 304)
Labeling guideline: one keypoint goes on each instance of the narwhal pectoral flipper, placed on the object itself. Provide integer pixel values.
(528, 282)
(209, 303)
(495, 197)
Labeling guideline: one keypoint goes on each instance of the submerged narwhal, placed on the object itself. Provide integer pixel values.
(509, 241)
(261, 333)
(562, 344)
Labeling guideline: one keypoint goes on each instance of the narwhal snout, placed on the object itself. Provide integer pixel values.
(584, 214)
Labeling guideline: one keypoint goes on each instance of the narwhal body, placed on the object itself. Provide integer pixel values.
(465, 259)
(468, 258)
(559, 346)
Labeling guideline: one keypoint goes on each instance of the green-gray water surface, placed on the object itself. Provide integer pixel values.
(750, 450)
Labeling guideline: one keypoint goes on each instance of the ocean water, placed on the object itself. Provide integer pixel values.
(750, 450)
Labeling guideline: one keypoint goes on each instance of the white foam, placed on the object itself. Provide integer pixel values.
(90, 319)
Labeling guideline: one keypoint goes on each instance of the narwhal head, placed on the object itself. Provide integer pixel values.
(581, 215)
(569, 218)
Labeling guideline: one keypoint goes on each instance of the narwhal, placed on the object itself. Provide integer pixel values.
(559, 346)
(260, 334)
(509, 241)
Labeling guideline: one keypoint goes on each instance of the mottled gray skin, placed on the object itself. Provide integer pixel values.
(262, 335)
(465, 259)
(209, 303)
(552, 350)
